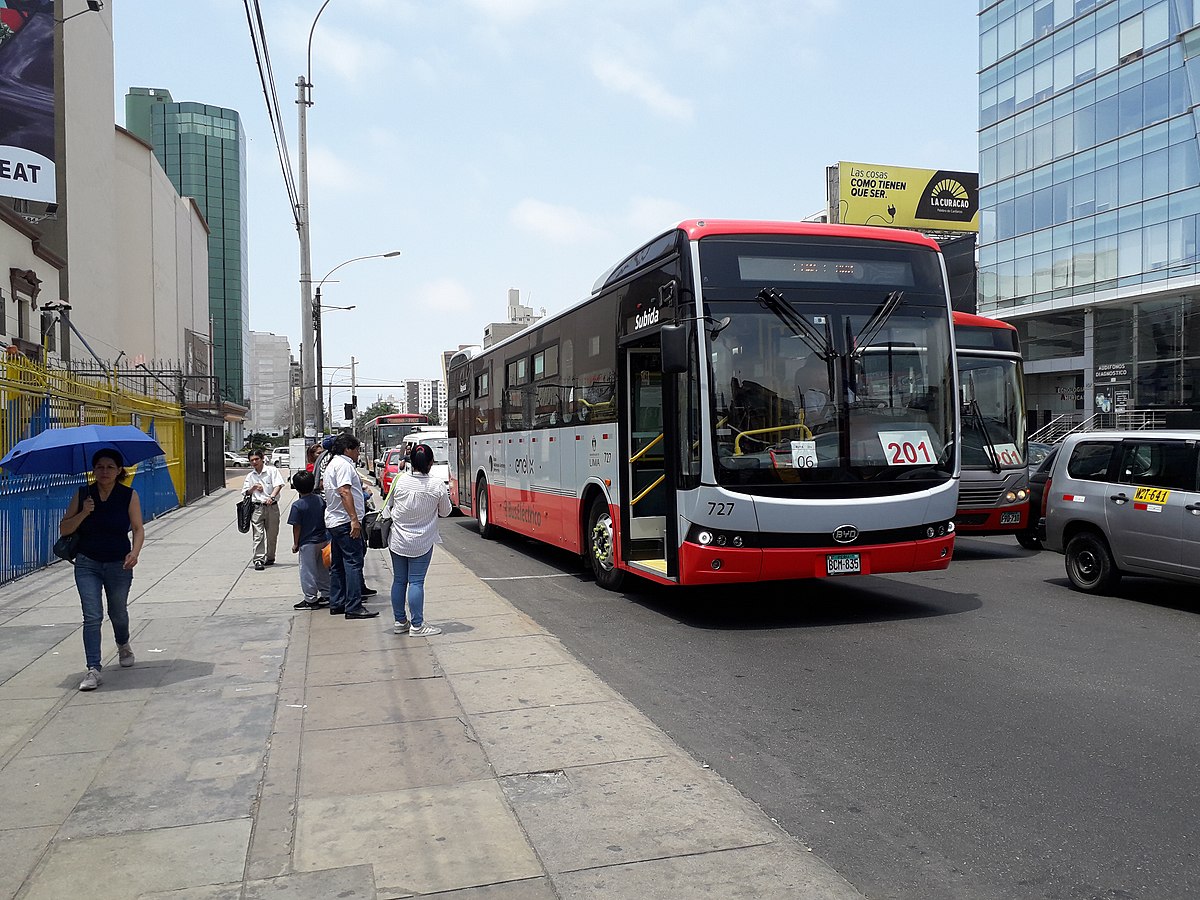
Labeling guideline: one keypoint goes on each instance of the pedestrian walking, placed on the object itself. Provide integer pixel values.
(263, 486)
(345, 507)
(414, 502)
(309, 537)
(104, 515)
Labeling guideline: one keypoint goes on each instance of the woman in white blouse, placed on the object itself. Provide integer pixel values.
(414, 503)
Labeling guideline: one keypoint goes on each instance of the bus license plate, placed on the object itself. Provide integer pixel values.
(1010, 518)
(842, 564)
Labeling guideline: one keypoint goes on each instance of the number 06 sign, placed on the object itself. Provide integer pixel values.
(907, 448)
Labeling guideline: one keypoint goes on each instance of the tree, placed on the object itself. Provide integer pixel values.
(434, 419)
(376, 409)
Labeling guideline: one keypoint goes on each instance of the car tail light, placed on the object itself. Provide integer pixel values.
(1045, 497)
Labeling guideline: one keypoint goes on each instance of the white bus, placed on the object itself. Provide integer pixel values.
(706, 415)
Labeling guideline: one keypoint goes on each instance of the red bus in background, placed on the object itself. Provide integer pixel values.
(993, 494)
(385, 432)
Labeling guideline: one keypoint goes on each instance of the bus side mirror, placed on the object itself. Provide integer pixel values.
(674, 343)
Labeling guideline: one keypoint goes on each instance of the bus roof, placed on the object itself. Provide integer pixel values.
(697, 229)
(964, 318)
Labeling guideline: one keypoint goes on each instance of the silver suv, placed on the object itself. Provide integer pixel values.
(1125, 502)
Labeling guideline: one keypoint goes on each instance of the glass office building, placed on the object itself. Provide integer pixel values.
(1089, 198)
(202, 149)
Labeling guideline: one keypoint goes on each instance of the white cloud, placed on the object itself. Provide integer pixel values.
(624, 78)
(558, 224)
(328, 170)
(443, 295)
(651, 215)
(511, 10)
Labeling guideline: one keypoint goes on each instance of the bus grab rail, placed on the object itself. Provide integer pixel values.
(645, 449)
(737, 441)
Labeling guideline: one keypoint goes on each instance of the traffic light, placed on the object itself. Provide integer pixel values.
(349, 412)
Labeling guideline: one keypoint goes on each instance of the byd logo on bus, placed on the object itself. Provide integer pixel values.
(845, 534)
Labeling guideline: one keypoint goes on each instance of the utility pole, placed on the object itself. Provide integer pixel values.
(353, 392)
(309, 399)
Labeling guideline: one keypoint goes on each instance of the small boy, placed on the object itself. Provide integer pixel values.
(309, 537)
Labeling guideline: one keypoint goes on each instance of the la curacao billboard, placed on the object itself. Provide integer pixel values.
(27, 100)
(923, 199)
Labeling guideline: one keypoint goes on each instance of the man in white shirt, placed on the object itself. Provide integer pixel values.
(345, 506)
(263, 486)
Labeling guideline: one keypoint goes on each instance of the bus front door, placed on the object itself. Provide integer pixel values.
(648, 495)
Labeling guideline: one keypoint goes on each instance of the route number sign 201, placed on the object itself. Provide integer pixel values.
(907, 448)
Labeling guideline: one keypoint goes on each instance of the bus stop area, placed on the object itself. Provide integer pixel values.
(257, 751)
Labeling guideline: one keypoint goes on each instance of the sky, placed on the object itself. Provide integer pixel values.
(532, 144)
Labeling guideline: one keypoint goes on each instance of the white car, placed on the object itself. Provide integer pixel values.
(281, 457)
(233, 460)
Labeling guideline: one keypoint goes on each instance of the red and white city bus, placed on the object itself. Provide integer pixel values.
(993, 495)
(734, 402)
(385, 432)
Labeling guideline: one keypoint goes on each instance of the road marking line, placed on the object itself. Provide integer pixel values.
(523, 577)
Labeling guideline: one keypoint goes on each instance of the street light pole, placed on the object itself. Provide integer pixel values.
(316, 318)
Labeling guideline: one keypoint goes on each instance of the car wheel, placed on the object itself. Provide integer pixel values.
(487, 530)
(600, 544)
(1028, 540)
(1090, 565)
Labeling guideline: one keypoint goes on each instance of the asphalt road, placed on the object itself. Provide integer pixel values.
(983, 732)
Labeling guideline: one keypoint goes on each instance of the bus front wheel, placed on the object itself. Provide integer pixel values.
(487, 530)
(601, 547)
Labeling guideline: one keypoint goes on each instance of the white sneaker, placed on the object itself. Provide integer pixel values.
(425, 630)
(91, 680)
(399, 628)
(125, 656)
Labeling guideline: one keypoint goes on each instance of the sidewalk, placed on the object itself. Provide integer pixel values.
(255, 751)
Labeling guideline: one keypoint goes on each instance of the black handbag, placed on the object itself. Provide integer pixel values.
(378, 529)
(245, 509)
(66, 547)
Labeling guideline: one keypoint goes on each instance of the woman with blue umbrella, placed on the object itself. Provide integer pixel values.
(104, 515)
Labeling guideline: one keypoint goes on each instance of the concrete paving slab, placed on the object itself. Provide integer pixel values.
(373, 665)
(260, 606)
(390, 757)
(195, 606)
(347, 883)
(633, 810)
(486, 628)
(509, 689)
(20, 849)
(44, 790)
(17, 717)
(117, 867)
(754, 873)
(346, 705)
(418, 841)
(43, 615)
(529, 889)
(337, 634)
(544, 738)
(231, 891)
(120, 685)
(83, 728)
(449, 605)
(505, 653)
(151, 778)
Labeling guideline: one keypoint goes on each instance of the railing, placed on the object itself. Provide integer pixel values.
(1130, 420)
(34, 398)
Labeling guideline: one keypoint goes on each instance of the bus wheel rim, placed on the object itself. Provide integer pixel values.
(602, 542)
(483, 510)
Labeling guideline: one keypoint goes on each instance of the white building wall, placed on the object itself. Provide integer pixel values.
(269, 382)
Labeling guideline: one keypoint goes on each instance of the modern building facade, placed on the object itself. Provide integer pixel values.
(202, 149)
(420, 395)
(1089, 200)
(271, 403)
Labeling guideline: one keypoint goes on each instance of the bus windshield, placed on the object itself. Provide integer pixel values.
(831, 370)
(993, 422)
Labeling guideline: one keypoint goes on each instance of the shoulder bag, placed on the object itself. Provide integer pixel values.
(378, 528)
(67, 546)
(245, 509)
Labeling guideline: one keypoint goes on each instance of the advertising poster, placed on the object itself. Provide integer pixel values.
(923, 199)
(27, 100)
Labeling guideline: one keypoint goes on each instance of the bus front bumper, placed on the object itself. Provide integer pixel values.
(723, 565)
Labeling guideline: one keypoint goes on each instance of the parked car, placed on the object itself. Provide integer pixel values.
(280, 457)
(392, 465)
(1125, 502)
(1036, 454)
(233, 460)
(1039, 477)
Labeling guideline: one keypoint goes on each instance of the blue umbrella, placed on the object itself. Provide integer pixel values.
(69, 451)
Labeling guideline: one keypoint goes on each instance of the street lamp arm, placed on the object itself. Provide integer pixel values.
(308, 69)
(347, 262)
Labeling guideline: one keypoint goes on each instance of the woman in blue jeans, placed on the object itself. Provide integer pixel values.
(103, 515)
(414, 502)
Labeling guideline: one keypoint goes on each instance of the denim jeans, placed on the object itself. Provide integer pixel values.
(345, 570)
(408, 577)
(114, 580)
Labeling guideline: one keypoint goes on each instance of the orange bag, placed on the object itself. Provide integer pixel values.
(326, 555)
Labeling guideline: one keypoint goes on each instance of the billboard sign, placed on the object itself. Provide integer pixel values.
(924, 199)
(27, 100)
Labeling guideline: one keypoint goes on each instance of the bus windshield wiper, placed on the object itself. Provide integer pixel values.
(983, 429)
(878, 319)
(821, 344)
